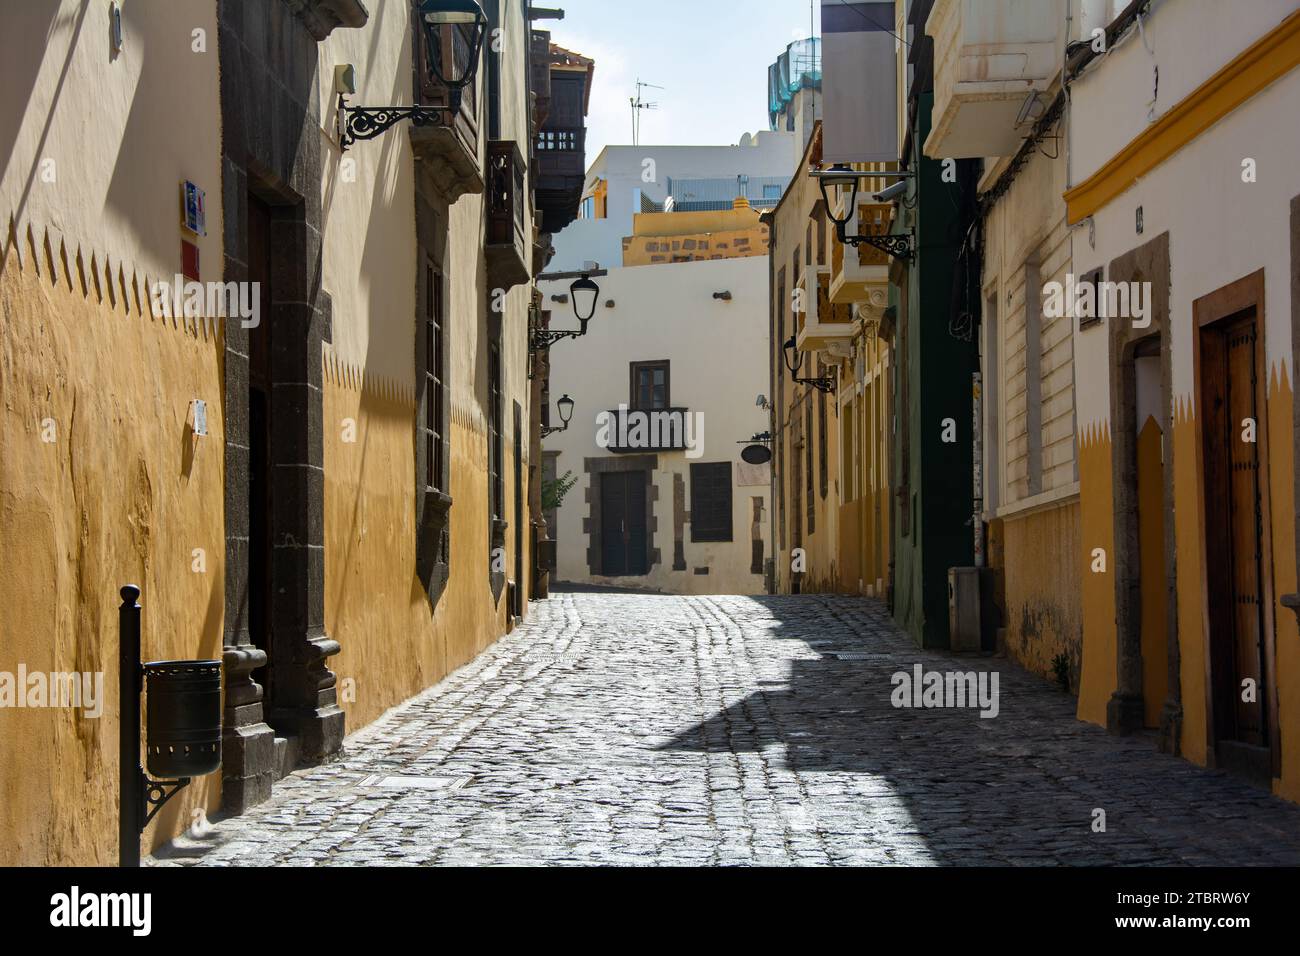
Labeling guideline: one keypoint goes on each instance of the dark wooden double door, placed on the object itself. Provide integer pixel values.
(623, 538)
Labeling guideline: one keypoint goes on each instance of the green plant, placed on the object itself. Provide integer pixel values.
(554, 490)
(1061, 668)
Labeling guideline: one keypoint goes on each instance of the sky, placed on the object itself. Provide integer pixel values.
(710, 57)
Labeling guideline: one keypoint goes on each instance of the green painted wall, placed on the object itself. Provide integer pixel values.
(938, 367)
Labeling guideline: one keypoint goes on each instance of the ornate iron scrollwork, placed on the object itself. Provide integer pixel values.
(897, 246)
(158, 792)
(367, 122)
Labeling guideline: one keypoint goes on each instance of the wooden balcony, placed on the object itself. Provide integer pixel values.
(647, 430)
(509, 242)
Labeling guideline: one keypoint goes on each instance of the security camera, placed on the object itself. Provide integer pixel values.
(890, 193)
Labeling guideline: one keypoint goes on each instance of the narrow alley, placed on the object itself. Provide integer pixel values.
(616, 728)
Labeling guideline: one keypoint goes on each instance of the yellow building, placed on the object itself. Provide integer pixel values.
(318, 475)
(695, 236)
(831, 454)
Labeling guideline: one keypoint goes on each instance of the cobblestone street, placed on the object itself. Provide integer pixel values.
(629, 729)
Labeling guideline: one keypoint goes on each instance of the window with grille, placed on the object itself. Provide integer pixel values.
(711, 501)
(435, 442)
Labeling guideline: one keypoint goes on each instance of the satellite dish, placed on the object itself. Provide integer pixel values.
(756, 455)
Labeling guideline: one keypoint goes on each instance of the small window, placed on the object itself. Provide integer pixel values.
(650, 386)
(711, 501)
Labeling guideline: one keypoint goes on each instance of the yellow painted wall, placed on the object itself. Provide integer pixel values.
(1041, 555)
(715, 234)
(393, 647)
(1151, 553)
(125, 494)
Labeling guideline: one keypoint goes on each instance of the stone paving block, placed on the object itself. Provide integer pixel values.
(624, 729)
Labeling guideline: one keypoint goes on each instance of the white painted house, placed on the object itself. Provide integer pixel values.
(665, 384)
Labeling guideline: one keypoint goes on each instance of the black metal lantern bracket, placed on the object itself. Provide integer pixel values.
(539, 339)
(368, 122)
(823, 383)
(562, 404)
(899, 246)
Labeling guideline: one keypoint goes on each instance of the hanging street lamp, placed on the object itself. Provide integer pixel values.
(565, 407)
(583, 295)
(840, 177)
(367, 122)
(793, 360)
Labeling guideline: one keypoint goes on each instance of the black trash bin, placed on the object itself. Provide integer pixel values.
(183, 718)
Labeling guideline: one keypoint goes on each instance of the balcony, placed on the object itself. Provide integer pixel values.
(446, 153)
(638, 431)
(823, 326)
(509, 243)
(561, 175)
(990, 58)
(861, 276)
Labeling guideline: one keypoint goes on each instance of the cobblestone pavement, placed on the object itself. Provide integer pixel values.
(631, 729)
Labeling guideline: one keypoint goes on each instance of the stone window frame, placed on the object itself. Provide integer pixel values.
(593, 468)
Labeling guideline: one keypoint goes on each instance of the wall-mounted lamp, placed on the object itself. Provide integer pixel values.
(367, 122)
(793, 360)
(840, 176)
(565, 408)
(583, 294)
(762, 402)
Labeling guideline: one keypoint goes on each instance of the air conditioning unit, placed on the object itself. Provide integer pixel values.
(972, 615)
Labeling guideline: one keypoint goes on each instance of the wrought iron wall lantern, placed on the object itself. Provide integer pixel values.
(793, 361)
(583, 294)
(183, 739)
(367, 122)
(839, 176)
(565, 408)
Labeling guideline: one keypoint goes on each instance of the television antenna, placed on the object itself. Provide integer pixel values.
(638, 105)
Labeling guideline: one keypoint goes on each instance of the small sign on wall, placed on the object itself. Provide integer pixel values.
(194, 217)
(199, 418)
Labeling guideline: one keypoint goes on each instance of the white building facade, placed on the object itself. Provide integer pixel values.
(665, 384)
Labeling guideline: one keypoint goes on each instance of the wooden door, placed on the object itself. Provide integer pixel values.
(624, 543)
(1234, 527)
